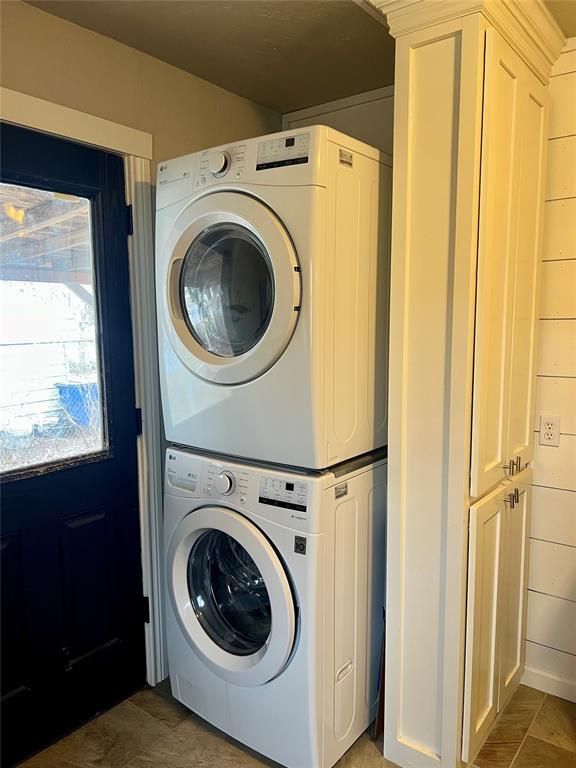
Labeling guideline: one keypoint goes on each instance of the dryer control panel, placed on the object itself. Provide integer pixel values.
(215, 164)
(292, 158)
(286, 150)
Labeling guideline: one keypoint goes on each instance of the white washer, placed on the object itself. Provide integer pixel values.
(275, 598)
(272, 262)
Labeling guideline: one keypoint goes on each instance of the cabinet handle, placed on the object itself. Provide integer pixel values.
(510, 499)
(509, 467)
(516, 495)
(518, 463)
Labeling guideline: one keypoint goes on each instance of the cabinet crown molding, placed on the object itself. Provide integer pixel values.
(526, 24)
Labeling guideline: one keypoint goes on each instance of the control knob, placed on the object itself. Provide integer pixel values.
(218, 163)
(225, 483)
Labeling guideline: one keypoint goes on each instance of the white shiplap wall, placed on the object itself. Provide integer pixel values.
(551, 633)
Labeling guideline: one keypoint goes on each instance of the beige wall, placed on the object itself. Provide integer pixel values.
(368, 117)
(45, 56)
(551, 647)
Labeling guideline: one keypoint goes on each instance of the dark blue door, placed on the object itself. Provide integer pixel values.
(72, 605)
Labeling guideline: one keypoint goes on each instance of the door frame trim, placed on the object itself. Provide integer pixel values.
(136, 148)
(48, 117)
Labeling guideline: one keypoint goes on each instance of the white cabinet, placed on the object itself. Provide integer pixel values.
(503, 399)
(529, 239)
(497, 594)
(514, 587)
(469, 139)
(482, 641)
(510, 234)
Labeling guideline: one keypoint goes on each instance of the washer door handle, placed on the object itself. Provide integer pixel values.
(344, 671)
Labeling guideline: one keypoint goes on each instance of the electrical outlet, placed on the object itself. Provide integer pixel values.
(550, 430)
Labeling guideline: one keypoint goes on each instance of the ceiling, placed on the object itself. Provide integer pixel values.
(564, 11)
(285, 54)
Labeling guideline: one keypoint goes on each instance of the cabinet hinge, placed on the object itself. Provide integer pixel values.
(129, 220)
(138, 422)
(146, 609)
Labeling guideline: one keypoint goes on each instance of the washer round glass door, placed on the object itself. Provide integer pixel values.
(228, 594)
(231, 595)
(232, 292)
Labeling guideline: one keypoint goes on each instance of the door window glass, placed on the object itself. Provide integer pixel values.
(227, 290)
(228, 594)
(50, 383)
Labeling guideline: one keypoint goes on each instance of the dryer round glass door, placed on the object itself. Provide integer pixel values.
(232, 287)
(231, 595)
(227, 290)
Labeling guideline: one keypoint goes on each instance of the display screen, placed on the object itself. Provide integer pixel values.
(289, 486)
(290, 142)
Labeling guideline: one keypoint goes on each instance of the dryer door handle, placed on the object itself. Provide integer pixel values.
(174, 289)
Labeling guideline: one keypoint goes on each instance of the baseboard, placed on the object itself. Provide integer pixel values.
(544, 681)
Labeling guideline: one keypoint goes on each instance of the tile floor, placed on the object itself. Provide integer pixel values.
(151, 730)
(535, 730)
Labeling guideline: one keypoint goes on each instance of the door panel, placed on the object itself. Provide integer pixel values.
(13, 627)
(498, 190)
(482, 626)
(514, 587)
(73, 635)
(526, 271)
(88, 580)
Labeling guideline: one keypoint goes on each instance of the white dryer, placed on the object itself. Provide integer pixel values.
(275, 598)
(272, 275)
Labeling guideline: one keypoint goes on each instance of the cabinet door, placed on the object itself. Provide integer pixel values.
(482, 625)
(496, 252)
(522, 383)
(514, 593)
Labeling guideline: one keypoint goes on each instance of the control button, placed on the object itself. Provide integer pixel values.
(243, 499)
(225, 483)
(219, 162)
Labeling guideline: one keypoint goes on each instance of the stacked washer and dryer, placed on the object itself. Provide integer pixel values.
(272, 259)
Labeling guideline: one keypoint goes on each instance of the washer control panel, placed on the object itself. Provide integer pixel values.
(220, 481)
(283, 497)
(205, 478)
(183, 472)
(288, 494)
